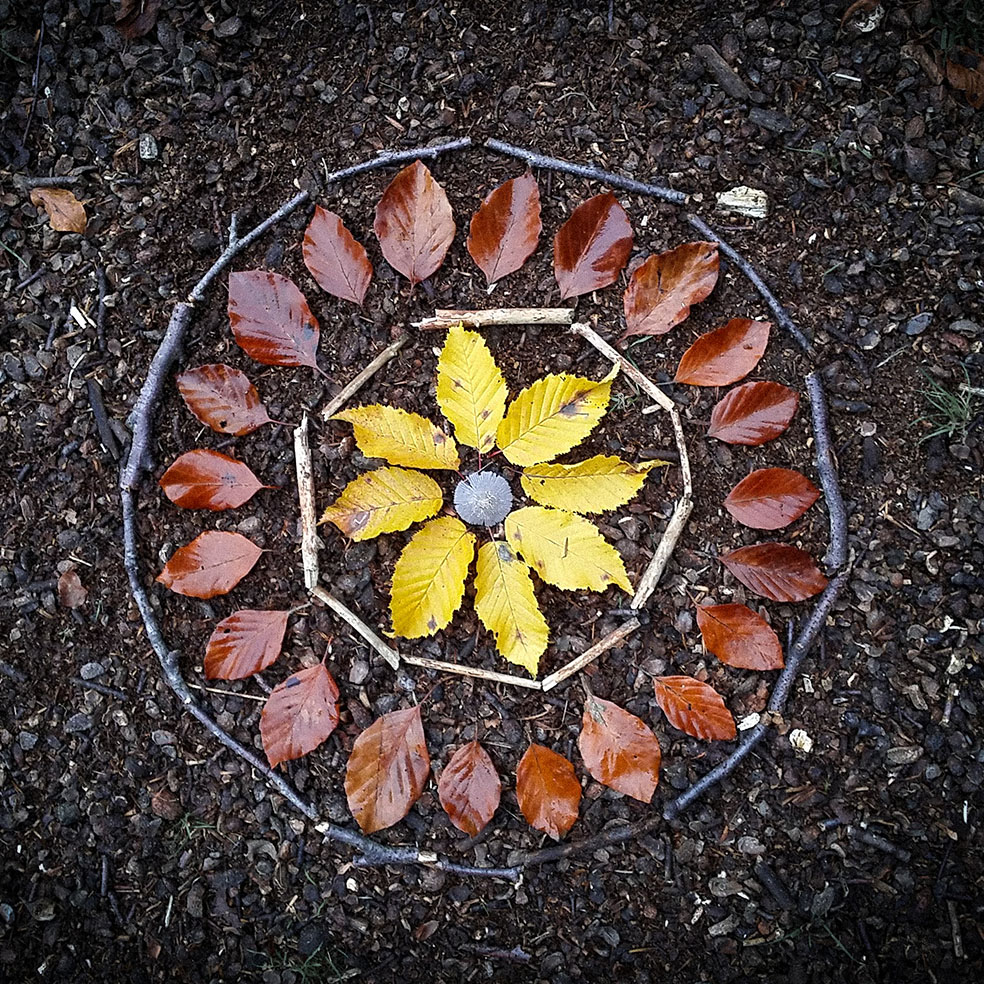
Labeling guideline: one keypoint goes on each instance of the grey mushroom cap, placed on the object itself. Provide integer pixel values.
(483, 499)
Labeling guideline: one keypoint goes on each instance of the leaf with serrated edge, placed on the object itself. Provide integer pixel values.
(205, 479)
(223, 398)
(594, 485)
(739, 637)
(211, 565)
(387, 770)
(470, 389)
(619, 749)
(384, 501)
(724, 356)
(592, 246)
(565, 550)
(469, 788)
(547, 791)
(753, 413)
(552, 416)
(336, 259)
(506, 604)
(771, 498)
(695, 708)
(401, 438)
(429, 577)
(244, 643)
(506, 228)
(299, 714)
(777, 571)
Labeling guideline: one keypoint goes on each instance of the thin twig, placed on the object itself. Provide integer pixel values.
(836, 556)
(305, 499)
(99, 688)
(590, 655)
(477, 672)
(101, 312)
(654, 571)
(350, 389)
(494, 317)
(343, 612)
(106, 434)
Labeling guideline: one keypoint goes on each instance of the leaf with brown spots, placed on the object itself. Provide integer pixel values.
(299, 714)
(65, 212)
(223, 398)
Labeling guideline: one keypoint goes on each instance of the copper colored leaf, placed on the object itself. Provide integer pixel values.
(71, 592)
(739, 637)
(271, 319)
(776, 571)
(726, 355)
(771, 498)
(299, 714)
(619, 749)
(135, 18)
(65, 212)
(663, 288)
(547, 790)
(223, 398)
(965, 71)
(413, 223)
(592, 246)
(203, 479)
(506, 228)
(211, 565)
(336, 260)
(387, 770)
(694, 707)
(244, 643)
(753, 413)
(469, 788)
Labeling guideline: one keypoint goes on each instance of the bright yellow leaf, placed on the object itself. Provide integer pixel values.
(384, 501)
(565, 550)
(470, 388)
(401, 438)
(429, 578)
(552, 416)
(592, 486)
(506, 605)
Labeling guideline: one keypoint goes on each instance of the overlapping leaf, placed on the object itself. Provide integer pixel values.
(244, 643)
(204, 479)
(401, 438)
(753, 413)
(65, 212)
(223, 398)
(739, 637)
(777, 571)
(594, 485)
(771, 498)
(619, 749)
(506, 228)
(211, 565)
(724, 356)
(592, 246)
(384, 501)
(299, 714)
(469, 788)
(335, 258)
(695, 708)
(547, 791)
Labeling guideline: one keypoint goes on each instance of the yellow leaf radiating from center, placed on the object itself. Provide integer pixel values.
(400, 438)
(594, 485)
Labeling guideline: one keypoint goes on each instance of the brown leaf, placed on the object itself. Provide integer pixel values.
(469, 788)
(166, 805)
(71, 592)
(592, 246)
(271, 319)
(387, 770)
(753, 413)
(739, 637)
(244, 643)
(211, 565)
(65, 212)
(776, 571)
(135, 18)
(619, 749)
(965, 71)
(336, 260)
(663, 288)
(414, 224)
(223, 398)
(299, 714)
(694, 707)
(771, 498)
(726, 355)
(204, 479)
(547, 790)
(506, 228)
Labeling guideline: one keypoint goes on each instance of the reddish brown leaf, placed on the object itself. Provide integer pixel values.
(694, 707)
(469, 788)
(65, 212)
(506, 228)
(413, 223)
(336, 260)
(965, 71)
(203, 479)
(771, 498)
(244, 643)
(726, 355)
(592, 246)
(71, 591)
(663, 289)
(547, 790)
(135, 18)
(223, 398)
(387, 770)
(776, 571)
(212, 564)
(299, 714)
(271, 319)
(739, 637)
(619, 749)
(753, 413)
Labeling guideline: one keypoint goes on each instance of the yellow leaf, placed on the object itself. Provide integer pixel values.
(401, 438)
(552, 416)
(384, 501)
(506, 605)
(593, 486)
(470, 388)
(565, 550)
(429, 578)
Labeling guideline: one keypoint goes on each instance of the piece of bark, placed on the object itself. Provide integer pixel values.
(723, 73)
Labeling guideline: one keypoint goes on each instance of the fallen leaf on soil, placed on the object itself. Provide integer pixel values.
(244, 643)
(401, 438)
(594, 485)
(547, 791)
(135, 18)
(223, 398)
(299, 714)
(335, 258)
(771, 498)
(619, 749)
(726, 355)
(65, 212)
(506, 228)
(592, 246)
(71, 593)
(166, 805)
(753, 413)
(469, 788)
(739, 637)
(776, 571)
(205, 479)
(694, 707)
(211, 565)
(965, 72)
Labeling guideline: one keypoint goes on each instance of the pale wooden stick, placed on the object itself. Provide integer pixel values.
(305, 496)
(347, 392)
(652, 574)
(471, 671)
(589, 655)
(389, 654)
(448, 317)
(681, 443)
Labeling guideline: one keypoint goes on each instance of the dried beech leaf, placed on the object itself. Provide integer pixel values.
(401, 438)
(724, 356)
(71, 592)
(753, 413)
(776, 571)
(506, 228)
(204, 479)
(335, 258)
(223, 398)
(965, 72)
(547, 790)
(592, 246)
(694, 707)
(469, 788)
(65, 212)
(244, 643)
(299, 714)
(594, 485)
(619, 749)
(771, 498)
(739, 637)
(135, 18)
(211, 565)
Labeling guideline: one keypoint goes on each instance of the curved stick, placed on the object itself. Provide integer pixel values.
(836, 555)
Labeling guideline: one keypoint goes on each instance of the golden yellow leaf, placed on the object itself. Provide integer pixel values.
(506, 605)
(565, 550)
(401, 438)
(384, 501)
(470, 388)
(429, 578)
(552, 416)
(592, 486)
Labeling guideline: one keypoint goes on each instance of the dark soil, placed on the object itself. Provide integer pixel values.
(134, 847)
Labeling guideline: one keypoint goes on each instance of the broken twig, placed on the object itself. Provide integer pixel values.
(490, 318)
(350, 389)
(305, 499)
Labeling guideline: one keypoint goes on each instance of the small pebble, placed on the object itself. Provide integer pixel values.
(92, 670)
(78, 722)
(147, 147)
